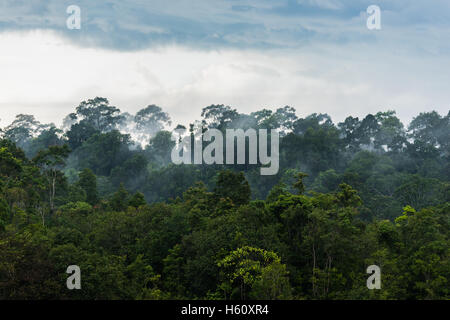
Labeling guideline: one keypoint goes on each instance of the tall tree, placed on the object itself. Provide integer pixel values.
(151, 120)
(51, 161)
(99, 114)
(88, 182)
(218, 116)
(234, 186)
(22, 129)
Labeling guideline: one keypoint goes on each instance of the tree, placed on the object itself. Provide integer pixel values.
(245, 266)
(160, 147)
(22, 129)
(331, 243)
(99, 114)
(299, 184)
(425, 127)
(79, 133)
(431, 131)
(10, 165)
(234, 186)
(349, 131)
(132, 172)
(104, 151)
(423, 255)
(421, 192)
(327, 181)
(151, 120)
(367, 131)
(391, 134)
(373, 199)
(47, 137)
(119, 200)
(272, 284)
(314, 121)
(88, 182)
(137, 200)
(51, 161)
(218, 116)
(173, 277)
(4, 214)
(283, 119)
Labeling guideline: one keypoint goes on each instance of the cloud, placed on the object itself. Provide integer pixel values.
(323, 4)
(48, 76)
(212, 24)
(315, 55)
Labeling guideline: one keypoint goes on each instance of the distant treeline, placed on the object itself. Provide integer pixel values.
(391, 166)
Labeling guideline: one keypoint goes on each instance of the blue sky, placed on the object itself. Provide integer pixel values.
(264, 24)
(315, 55)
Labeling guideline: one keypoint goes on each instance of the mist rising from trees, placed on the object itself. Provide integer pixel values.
(389, 164)
(101, 192)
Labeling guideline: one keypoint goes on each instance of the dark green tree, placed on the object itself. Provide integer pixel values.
(234, 186)
(99, 114)
(51, 161)
(137, 200)
(119, 200)
(88, 182)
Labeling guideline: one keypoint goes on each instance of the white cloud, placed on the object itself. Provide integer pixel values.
(47, 76)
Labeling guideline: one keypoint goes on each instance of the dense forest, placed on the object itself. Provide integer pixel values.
(102, 193)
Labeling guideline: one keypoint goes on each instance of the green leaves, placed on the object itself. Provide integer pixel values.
(88, 183)
(99, 114)
(383, 201)
(248, 266)
(234, 186)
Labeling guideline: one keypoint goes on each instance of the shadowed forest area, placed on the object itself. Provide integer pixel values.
(102, 193)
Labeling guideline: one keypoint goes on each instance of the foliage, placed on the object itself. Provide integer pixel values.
(362, 192)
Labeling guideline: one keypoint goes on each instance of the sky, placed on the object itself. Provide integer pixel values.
(183, 55)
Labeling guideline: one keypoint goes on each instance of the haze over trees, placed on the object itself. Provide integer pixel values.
(101, 192)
